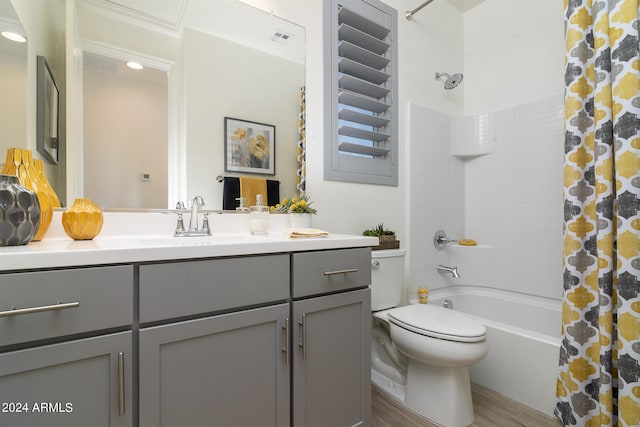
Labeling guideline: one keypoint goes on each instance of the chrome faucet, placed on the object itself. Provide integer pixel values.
(196, 204)
(452, 270)
(193, 229)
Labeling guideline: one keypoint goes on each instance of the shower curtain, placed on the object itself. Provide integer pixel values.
(598, 381)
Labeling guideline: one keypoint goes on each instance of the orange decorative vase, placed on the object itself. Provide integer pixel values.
(83, 220)
(20, 163)
(55, 201)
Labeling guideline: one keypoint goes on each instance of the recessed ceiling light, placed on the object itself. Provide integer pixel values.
(134, 65)
(14, 36)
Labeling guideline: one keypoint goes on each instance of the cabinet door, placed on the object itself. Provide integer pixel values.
(226, 370)
(78, 383)
(332, 360)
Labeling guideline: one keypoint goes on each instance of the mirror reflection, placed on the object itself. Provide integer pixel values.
(125, 133)
(13, 80)
(155, 136)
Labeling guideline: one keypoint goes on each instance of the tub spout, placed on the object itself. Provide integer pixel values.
(452, 270)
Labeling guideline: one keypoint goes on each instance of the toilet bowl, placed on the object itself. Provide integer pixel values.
(421, 352)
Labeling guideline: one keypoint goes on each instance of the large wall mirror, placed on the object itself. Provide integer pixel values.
(13, 80)
(207, 60)
(155, 136)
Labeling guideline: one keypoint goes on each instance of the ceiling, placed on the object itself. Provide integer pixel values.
(165, 13)
(230, 19)
(173, 15)
(465, 5)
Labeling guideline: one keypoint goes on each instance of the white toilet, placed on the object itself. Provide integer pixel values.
(421, 352)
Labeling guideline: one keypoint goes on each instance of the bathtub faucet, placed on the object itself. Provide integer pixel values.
(452, 270)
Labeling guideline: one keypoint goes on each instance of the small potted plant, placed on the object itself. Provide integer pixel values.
(299, 208)
(386, 238)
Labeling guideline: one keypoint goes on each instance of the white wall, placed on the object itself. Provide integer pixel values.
(431, 42)
(513, 198)
(119, 143)
(43, 20)
(513, 53)
(13, 105)
(253, 86)
(508, 59)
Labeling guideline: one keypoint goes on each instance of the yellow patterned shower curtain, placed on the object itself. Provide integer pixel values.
(598, 382)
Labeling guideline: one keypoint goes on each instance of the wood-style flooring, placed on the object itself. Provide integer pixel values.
(491, 410)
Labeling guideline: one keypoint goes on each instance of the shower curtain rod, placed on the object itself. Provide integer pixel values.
(409, 13)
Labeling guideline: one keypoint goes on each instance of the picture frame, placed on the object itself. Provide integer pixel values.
(48, 143)
(249, 147)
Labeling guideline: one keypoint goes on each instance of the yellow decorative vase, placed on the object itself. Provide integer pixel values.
(83, 220)
(55, 201)
(20, 163)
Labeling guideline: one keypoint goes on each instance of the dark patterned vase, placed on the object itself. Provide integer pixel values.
(19, 212)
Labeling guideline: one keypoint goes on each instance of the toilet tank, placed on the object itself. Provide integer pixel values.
(387, 272)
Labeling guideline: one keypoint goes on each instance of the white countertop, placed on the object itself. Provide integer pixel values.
(58, 250)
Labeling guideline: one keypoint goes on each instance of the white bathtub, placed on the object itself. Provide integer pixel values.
(524, 341)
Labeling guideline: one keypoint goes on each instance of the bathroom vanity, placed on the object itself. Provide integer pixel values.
(231, 329)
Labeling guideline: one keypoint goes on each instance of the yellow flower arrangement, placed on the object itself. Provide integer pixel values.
(300, 204)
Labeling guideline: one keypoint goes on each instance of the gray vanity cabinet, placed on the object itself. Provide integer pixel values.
(226, 370)
(332, 344)
(78, 383)
(217, 346)
(66, 347)
(227, 366)
(332, 385)
(274, 340)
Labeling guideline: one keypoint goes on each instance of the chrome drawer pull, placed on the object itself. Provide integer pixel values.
(54, 307)
(348, 270)
(121, 407)
(303, 344)
(286, 341)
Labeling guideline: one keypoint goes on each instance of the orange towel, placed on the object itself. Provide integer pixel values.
(249, 187)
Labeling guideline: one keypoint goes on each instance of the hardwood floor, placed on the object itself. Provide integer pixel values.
(491, 410)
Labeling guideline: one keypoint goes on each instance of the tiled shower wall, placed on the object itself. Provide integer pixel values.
(495, 178)
(436, 195)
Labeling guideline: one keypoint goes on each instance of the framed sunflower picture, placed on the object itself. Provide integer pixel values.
(249, 147)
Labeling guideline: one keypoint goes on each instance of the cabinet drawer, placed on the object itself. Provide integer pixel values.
(95, 298)
(188, 288)
(328, 271)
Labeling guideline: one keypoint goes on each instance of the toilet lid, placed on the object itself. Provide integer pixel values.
(438, 322)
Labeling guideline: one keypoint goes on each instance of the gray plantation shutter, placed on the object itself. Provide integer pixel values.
(361, 59)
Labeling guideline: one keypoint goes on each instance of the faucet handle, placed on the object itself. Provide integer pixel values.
(180, 225)
(440, 240)
(205, 224)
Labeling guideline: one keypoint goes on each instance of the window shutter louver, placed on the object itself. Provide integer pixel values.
(364, 114)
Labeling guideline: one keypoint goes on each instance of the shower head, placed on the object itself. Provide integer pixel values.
(452, 81)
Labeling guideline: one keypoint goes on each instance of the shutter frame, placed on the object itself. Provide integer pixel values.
(361, 81)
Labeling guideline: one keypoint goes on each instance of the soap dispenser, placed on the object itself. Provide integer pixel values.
(259, 217)
(242, 207)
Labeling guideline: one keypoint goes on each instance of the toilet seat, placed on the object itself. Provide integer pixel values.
(437, 322)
